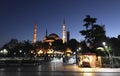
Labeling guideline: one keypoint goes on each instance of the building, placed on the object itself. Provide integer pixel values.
(51, 38)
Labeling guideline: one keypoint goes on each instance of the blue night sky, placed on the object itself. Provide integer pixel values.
(17, 17)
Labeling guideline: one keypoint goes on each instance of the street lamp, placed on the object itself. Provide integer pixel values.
(107, 49)
(20, 51)
(104, 43)
(4, 51)
(78, 50)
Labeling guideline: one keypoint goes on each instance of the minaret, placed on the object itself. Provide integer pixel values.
(46, 32)
(35, 33)
(68, 36)
(64, 32)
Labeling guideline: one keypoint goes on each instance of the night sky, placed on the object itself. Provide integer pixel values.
(17, 17)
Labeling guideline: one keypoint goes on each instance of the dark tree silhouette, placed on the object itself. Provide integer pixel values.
(11, 47)
(37, 46)
(115, 44)
(73, 44)
(57, 45)
(94, 34)
(46, 46)
(27, 47)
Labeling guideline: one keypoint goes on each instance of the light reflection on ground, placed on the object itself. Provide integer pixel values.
(57, 68)
(99, 70)
(87, 74)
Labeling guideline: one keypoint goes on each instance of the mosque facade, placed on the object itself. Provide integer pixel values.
(53, 36)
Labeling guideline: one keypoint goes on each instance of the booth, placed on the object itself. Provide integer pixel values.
(89, 60)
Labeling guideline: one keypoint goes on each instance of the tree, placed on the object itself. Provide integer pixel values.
(46, 46)
(73, 45)
(119, 37)
(27, 47)
(84, 47)
(11, 47)
(94, 34)
(57, 45)
(115, 44)
(37, 46)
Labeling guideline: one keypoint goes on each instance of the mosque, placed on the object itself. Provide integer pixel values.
(52, 37)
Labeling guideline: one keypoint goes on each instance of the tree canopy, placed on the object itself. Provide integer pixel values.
(94, 34)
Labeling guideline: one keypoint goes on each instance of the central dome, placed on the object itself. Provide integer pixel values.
(51, 38)
(53, 35)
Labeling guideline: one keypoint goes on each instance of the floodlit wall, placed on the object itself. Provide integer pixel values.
(94, 61)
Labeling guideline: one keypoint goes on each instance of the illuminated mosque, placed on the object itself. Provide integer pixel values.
(52, 37)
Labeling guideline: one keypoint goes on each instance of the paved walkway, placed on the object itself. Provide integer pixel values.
(55, 66)
(59, 66)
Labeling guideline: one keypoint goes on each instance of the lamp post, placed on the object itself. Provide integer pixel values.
(106, 49)
(79, 49)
